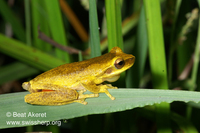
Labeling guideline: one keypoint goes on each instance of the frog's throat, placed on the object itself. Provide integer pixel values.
(113, 78)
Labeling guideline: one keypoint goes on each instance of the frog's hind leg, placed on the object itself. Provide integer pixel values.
(52, 97)
(57, 97)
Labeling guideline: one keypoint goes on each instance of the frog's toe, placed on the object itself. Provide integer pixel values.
(81, 91)
(112, 87)
(112, 98)
(96, 95)
(109, 85)
(84, 102)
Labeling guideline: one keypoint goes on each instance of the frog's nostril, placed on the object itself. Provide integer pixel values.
(132, 59)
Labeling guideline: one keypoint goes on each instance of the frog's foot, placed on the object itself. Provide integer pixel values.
(104, 89)
(82, 101)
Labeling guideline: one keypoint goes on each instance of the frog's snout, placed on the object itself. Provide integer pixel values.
(133, 59)
(26, 85)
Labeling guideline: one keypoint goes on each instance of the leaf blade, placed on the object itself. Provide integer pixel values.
(29, 55)
(125, 99)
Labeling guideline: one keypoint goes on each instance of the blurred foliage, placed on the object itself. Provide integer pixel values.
(23, 54)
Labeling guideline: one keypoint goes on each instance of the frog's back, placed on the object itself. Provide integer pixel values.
(72, 72)
(67, 72)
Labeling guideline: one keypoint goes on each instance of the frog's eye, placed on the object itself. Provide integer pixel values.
(119, 63)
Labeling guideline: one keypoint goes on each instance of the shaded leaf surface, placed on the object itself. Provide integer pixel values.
(125, 99)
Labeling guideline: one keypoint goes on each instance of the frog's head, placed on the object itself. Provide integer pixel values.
(119, 62)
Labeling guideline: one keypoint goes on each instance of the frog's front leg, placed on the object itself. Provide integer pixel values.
(100, 89)
(109, 86)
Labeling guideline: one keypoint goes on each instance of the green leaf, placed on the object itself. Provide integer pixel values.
(183, 123)
(20, 70)
(114, 27)
(195, 68)
(157, 60)
(28, 22)
(9, 16)
(140, 52)
(125, 99)
(196, 61)
(94, 30)
(128, 24)
(57, 27)
(29, 55)
(114, 24)
(39, 18)
(173, 45)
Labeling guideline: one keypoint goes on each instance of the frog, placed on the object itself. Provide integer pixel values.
(67, 83)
